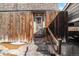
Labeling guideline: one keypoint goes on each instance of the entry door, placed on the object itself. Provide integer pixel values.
(39, 24)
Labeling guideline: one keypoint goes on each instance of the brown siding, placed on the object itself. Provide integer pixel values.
(17, 25)
(31, 26)
(50, 16)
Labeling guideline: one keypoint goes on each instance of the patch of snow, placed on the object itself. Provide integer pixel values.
(19, 52)
(18, 43)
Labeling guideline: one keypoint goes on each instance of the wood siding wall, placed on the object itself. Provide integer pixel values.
(50, 16)
(16, 26)
(19, 25)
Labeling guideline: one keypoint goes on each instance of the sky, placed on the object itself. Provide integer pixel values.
(61, 5)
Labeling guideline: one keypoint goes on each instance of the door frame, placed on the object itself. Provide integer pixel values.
(40, 20)
(38, 14)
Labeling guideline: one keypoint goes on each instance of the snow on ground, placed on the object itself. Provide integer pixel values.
(18, 50)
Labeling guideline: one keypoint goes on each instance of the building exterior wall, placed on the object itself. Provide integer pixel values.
(16, 26)
(73, 11)
(17, 21)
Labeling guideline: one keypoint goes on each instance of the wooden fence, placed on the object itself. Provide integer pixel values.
(16, 26)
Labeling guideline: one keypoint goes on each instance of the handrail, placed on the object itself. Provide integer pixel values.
(55, 40)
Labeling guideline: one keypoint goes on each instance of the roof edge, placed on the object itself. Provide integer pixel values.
(66, 6)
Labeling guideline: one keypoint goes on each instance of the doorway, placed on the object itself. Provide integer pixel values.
(39, 24)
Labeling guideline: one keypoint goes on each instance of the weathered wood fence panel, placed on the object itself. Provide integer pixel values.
(16, 26)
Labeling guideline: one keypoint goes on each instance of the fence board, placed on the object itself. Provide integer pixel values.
(16, 26)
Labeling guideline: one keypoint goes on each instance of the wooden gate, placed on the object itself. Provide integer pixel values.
(16, 26)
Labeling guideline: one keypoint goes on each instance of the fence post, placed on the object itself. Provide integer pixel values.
(59, 46)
